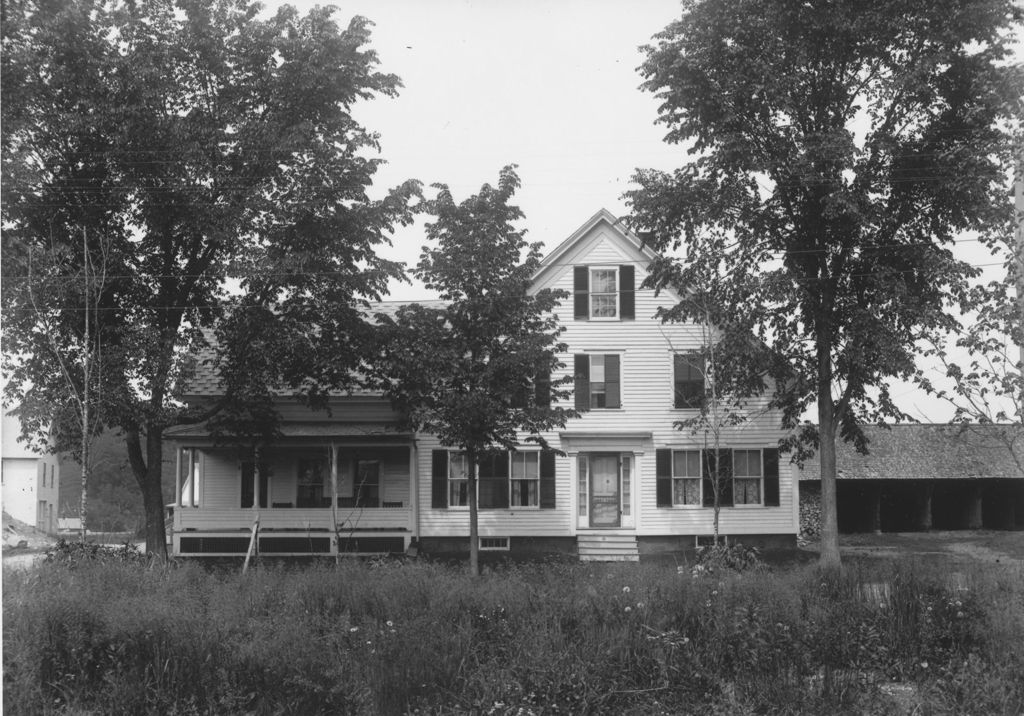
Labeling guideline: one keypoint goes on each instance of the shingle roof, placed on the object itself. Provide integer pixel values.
(206, 383)
(927, 452)
(322, 429)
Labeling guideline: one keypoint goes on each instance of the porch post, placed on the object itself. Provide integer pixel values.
(334, 500)
(177, 477)
(256, 479)
(191, 477)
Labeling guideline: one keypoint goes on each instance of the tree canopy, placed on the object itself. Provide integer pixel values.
(838, 149)
(211, 156)
(477, 372)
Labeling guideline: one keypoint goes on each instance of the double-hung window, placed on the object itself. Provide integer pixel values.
(747, 474)
(312, 482)
(367, 483)
(598, 381)
(604, 292)
(686, 477)
(688, 380)
(525, 483)
(458, 480)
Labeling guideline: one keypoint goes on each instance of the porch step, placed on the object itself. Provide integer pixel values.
(607, 547)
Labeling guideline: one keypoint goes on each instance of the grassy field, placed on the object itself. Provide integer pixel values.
(906, 635)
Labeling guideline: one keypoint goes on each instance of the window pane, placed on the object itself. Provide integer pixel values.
(458, 493)
(686, 463)
(747, 491)
(603, 281)
(597, 369)
(532, 465)
(602, 306)
(686, 492)
(456, 466)
(747, 463)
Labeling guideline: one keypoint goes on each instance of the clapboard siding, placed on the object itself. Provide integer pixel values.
(513, 522)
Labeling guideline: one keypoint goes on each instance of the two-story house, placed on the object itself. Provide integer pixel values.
(627, 483)
(31, 479)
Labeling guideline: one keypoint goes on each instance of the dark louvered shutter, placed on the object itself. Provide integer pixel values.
(724, 464)
(627, 292)
(439, 479)
(542, 387)
(663, 473)
(582, 384)
(547, 479)
(581, 292)
(771, 477)
(612, 382)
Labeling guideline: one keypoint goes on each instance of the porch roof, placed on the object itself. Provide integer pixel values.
(307, 430)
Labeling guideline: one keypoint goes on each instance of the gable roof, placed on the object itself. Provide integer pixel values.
(926, 452)
(603, 218)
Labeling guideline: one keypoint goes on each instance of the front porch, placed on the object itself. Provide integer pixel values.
(342, 495)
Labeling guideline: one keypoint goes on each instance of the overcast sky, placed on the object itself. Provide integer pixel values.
(549, 86)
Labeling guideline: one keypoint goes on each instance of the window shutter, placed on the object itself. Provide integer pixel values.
(547, 479)
(247, 473)
(771, 477)
(663, 473)
(581, 292)
(627, 295)
(542, 387)
(678, 368)
(612, 382)
(439, 479)
(582, 386)
(724, 462)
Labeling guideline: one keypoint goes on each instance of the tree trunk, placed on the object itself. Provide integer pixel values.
(148, 474)
(827, 454)
(474, 540)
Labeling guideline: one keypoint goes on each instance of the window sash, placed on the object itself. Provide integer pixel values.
(367, 483)
(524, 482)
(604, 293)
(311, 485)
(688, 381)
(686, 477)
(748, 474)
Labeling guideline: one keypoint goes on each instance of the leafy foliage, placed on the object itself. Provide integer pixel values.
(213, 158)
(476, 372)
(837, 150)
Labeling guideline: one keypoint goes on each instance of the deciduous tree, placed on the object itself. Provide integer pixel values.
(477, 372)
(838, 148)
(215, 154)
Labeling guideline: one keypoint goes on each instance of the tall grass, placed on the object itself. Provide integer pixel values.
(389, 637)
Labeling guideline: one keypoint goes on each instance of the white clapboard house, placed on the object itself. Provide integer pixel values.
(629, 482)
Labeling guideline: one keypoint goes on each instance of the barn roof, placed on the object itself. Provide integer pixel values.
(928, 452)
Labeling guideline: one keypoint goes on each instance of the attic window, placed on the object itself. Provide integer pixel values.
(604, 293)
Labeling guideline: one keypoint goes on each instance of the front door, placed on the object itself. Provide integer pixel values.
(605, 506)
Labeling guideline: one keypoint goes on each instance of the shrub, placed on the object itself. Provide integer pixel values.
(736, 557)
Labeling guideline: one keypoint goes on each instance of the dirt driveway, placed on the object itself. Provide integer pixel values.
(961, 547)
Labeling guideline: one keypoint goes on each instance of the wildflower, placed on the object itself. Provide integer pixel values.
(686, 640)
(625, 590)
(389, 623)
(707, 603)
(924, 664)
(959, 615)
(354, 629)
(714, 592)
(639, 605)
(629, 609)
(958, 603)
